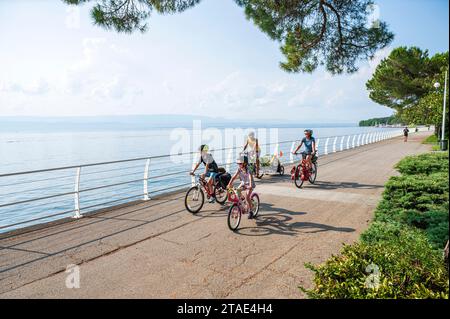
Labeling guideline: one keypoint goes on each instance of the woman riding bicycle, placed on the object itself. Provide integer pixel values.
(310, 147)
(211, 169)
(247, 184)
(253, 151)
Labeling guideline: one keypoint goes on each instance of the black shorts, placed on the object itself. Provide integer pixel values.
(306, 153)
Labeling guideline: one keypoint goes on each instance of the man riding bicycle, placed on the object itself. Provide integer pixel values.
(211, 169)
(310, 147)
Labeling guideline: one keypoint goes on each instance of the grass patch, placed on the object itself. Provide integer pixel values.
(432, 139)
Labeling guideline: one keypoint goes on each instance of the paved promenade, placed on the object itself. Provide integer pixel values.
(156, 249)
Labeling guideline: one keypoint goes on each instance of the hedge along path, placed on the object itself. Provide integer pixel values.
(159, 250)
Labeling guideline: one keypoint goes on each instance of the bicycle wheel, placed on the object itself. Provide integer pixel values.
(220, 194)
(255, 204)
(298, 177)
(312, 177)
(194, 199)
(234, 217)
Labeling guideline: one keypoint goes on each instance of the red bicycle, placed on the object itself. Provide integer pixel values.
(239, 206)
(195, 196)
(301, 173)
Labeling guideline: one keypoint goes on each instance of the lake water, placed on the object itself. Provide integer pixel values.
(25, 150)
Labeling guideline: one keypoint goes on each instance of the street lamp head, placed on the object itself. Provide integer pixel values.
(437, 85)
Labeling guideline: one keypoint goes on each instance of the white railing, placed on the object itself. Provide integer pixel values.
(72, 191)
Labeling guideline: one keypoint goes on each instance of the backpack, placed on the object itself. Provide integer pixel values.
(224, 179)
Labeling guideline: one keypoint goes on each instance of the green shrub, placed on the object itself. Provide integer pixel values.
(434, 222)
(405, 239)
(408, 268)
(382, 231)
(417, 192)
(432, 139)
(424, 164)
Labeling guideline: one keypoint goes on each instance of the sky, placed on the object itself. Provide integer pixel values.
(208, 60)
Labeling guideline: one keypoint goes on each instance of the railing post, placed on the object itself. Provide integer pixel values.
(358, 143)
(194, 162)
(228, 160)
(276, 150)
(291, 156)
(317, 145)
(334, 144)
(353, 141)
(146, 175)
(77, 194)
(348, 142)
(342, 143)
(326, 146)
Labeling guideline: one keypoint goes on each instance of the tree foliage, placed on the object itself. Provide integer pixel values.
(404, 82)
(390, 120)
(333, 33)
(130, 15)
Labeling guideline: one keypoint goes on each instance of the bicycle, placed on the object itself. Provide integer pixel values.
(195, 196)
(239, 206)
(300, 173)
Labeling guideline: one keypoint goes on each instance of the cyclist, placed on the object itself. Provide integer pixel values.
(253, 150)
(211, 169)
(247, 184)
(310, 147)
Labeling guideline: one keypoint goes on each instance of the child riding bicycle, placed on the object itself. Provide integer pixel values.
(247, 184)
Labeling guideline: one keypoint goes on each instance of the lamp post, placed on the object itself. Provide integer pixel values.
(443, 143)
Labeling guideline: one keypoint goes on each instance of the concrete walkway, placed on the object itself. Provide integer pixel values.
(157, 249)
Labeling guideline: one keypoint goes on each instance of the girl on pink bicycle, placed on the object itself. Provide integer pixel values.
(247, 183)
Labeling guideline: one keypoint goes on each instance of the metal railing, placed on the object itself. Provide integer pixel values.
(30, 197)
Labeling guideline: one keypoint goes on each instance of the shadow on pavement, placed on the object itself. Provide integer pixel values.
(341, 185)
(279, 223)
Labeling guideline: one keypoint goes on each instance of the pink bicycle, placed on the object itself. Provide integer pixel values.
(239, 206)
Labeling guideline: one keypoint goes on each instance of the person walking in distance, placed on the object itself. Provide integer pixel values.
(405, 134)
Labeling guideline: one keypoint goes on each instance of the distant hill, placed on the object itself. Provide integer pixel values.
(390, 120)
